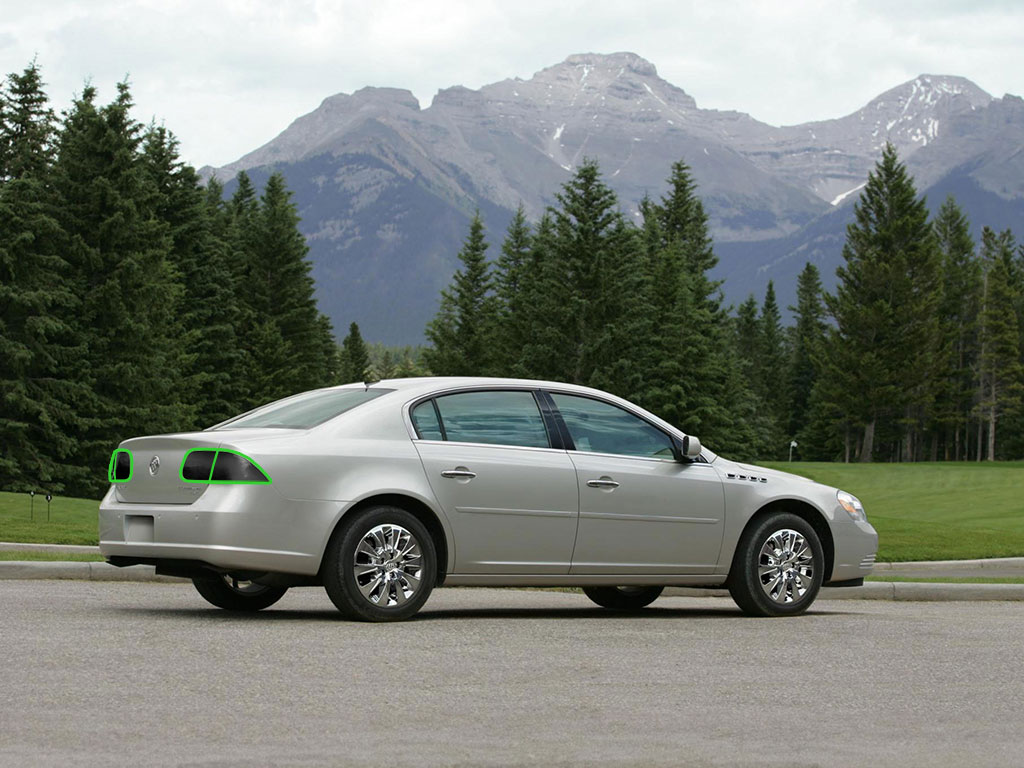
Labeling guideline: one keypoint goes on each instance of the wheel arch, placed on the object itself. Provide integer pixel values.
(805, 511)
(414, 506)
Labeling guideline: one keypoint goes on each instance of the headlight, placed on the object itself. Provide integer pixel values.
(851, 504)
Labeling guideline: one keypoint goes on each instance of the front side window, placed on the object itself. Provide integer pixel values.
(305, 411)
(494, 418)
(599, 427)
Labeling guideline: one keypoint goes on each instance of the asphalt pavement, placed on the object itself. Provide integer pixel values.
(147, 674)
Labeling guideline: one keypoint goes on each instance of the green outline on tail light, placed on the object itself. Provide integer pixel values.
(213, 465)
(113, 463)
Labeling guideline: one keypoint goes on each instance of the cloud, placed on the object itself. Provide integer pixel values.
(228, 75)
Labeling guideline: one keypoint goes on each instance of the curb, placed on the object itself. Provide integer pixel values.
(911, 591)
(872, 590)
(62, 549)
(59, 569)
(924, 566)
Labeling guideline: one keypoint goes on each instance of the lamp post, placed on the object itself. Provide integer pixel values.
(32, 506)
(49, 497)
(792, 444)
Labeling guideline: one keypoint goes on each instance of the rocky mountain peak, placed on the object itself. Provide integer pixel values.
(912, 114)
(595, 82)
(624, 59)
(930, 93)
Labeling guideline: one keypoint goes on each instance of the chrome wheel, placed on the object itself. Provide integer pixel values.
(785, 566)
(388, 566)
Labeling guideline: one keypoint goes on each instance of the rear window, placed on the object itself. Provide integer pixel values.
(306, 410)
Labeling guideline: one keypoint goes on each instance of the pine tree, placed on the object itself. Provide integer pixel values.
(962, 283)
(1001, 371)
(119, 255)
(748, 338)
(600, 329)
(213, 361)
(716, 400)
(509, 277)
(540, 290)
(461, 332)
(667, 389)
(290, 344)
(808, 337)
(884, 348)
(355, 360)
(40, 372)
(773, 352)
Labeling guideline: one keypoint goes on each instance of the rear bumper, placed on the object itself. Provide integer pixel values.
(231, 527)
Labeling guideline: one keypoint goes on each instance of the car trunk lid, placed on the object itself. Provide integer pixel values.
(156, 469)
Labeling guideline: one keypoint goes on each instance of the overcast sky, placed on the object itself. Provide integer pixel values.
(228, 75)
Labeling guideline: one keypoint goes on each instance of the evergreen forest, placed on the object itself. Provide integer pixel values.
(915, 357)
(135, 299)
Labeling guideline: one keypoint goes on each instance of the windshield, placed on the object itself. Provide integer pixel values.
(306, 410)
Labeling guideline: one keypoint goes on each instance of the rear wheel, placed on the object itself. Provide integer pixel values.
(232, 594)
(623, 598)
(381, 566)
(777, 569)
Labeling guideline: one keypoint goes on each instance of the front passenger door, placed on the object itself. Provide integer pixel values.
(641, 511)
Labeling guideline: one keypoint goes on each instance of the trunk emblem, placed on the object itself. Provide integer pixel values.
(154, 465)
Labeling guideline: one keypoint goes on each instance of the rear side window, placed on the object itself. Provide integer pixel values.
(424, 418)
(492, 418)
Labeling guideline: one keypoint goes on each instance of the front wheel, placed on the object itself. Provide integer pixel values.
(623, 598)
(231, 594)
(777, 569)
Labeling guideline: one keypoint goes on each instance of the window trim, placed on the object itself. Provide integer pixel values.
(546, 420)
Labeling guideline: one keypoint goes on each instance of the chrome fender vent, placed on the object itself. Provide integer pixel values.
(751, 478)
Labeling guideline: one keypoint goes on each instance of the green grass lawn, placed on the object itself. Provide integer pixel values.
(940, 511)
(72, 521)
(937, 511)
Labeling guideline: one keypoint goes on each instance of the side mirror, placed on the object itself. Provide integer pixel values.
(691, 447)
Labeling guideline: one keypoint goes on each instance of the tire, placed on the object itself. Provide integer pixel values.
(381, 566)
(626, 599)
(777, 568)
(231, 594)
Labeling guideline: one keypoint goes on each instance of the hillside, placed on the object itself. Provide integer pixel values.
(386, 187)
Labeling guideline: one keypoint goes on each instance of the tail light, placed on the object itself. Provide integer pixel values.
(120, 468)
(212, 465)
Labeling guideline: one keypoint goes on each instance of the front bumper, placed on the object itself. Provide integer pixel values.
(231, 527)
(856, 545)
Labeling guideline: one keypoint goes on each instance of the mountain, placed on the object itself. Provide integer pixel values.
(386, 187)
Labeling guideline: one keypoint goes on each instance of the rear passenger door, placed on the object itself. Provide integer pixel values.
(510, 496)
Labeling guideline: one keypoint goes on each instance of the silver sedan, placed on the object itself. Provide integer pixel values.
(381, 492)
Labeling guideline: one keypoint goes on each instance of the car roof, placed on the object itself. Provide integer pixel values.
(424, 384)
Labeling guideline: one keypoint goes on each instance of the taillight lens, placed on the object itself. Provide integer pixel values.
(197, 466)
(120, 468)
(210, 465)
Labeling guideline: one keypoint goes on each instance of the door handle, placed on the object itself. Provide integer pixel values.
(458, 473)
(604, 482)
